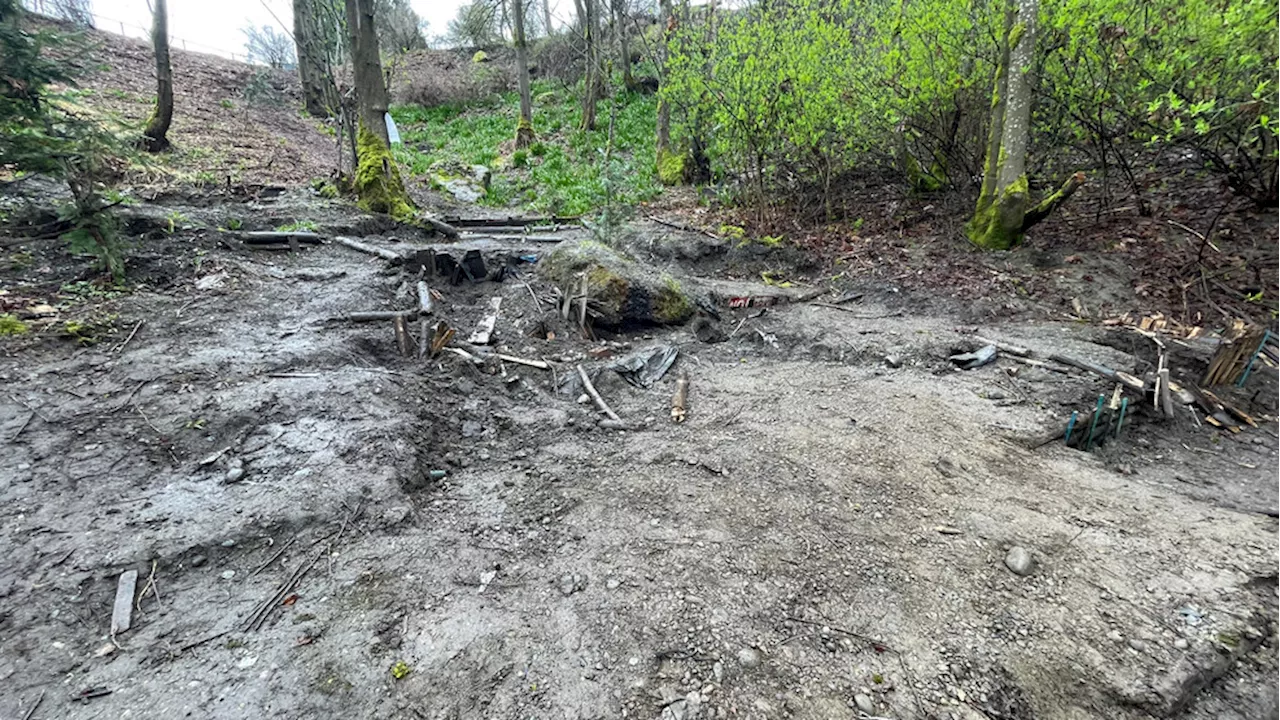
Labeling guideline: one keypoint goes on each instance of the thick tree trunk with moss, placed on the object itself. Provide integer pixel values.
(377, 183)
(155, 137)
(524, 126)
(1004, 199)
(319, 95)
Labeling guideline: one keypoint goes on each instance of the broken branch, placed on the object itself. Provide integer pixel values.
(385, 254)
(679, 400)
(591, 390)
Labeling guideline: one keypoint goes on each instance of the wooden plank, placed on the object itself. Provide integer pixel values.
(483, 334)
(122, 611)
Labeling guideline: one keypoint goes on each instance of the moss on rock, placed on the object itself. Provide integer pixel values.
(623, 290)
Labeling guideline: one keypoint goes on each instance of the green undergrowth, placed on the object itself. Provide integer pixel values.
(563, 172)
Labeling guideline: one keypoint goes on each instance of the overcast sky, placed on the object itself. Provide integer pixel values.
(215, 25)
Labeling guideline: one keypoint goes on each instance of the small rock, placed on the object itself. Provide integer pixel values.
(228, 574)
(1115, 636)
(395, 515)
(613, 583)
(1181, 644)
(893, 361)
(1138, 645)
(471, 428)
(247, 662)
(198, 560)
(484, 455)
(749, 657)
(946, 468)
(234, 475)
(1020, 561)
(228, 543)
(864, 703)
(570, 584)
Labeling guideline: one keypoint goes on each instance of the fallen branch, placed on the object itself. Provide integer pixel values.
(842, 308)
(1030, 357)
(483, 334)
(600, 403)
(378, 315)
(539, 364)
(271, 238)
(440, 226)
(133, 332)
(508, 221)
(260, 615)
(426, 304)
(389, 255)
(526, 238)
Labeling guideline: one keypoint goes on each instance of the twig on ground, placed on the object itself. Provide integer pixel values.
(842, 308)
(127, 340)
(275, 557)
(32, 710)
(591, 390)
(150, 585)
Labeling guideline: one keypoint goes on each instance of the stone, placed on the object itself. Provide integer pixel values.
(234, 475)
(749, 657)
(893, 361)
(1181, 644)
(1115, 636)
(864, 703)
(481, 175)
(1137, 645)
(463, 190)
(228, 574)
(1020, 561)
(198, 560)
(625, 291)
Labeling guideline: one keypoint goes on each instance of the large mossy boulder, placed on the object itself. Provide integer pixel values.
(624, 291)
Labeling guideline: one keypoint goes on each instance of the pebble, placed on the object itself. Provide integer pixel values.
(228, 543)
(234, 475)
(893, 361)
(1019, 561)
(1138, 645)
(198, 560)
(1115, 636)
(228, 574)
(1181, 644)
(749, 657)
(613, 583)
(864, 703)
(247, 662)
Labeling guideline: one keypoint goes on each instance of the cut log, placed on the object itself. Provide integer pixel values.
(680, 399)
(122, 610)
(388, 255)
(595, 396)
(271, 238)
(483, 334)
(404, 341)
(440, 226)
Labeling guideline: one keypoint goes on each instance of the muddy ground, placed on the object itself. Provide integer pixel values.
(825, 537)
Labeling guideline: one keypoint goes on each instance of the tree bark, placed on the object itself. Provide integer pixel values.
(997, 223)
(524, 126)
(319, 95)
(155, 137)
(668, 21)
(546, 18)
(591, 89)
(377, 182)
(619, 16)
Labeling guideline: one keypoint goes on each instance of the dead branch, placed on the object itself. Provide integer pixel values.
(600, 403)
(426, 305)
(271, 238)
(378, 315)
(388, 255)
(404, 341)
(440, 226)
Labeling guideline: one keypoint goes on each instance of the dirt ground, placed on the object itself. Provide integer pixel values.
(825, 537)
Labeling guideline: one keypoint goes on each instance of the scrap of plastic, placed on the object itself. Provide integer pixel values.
(646, 367)
(975, 359)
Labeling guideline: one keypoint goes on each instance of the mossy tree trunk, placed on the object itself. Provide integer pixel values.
(377, 183)
(155, 136)
(319, 94)
(1004, 199)
(524, 126)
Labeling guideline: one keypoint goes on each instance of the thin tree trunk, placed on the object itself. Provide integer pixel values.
(546, 17)
(155, 137)
(668, 21)
(591, 81)
(524, 126)
(619, 13)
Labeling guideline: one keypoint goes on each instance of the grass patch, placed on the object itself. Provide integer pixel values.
(562, 173)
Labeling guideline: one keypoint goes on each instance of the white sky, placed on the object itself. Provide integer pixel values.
(214, 25)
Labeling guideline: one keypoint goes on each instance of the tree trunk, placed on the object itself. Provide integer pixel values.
(546, 17)
(319, 95)
(591, 81)
(619, 14)
(377, 183)
(524, 126)
(670, 162)
(155, 137)
(997, 223)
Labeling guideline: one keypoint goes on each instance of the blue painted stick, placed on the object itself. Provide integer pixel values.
(1088, 442)
(1124, 405)
(1070, 425)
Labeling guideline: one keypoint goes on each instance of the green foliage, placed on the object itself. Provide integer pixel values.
(563, 172)
(11, 325)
